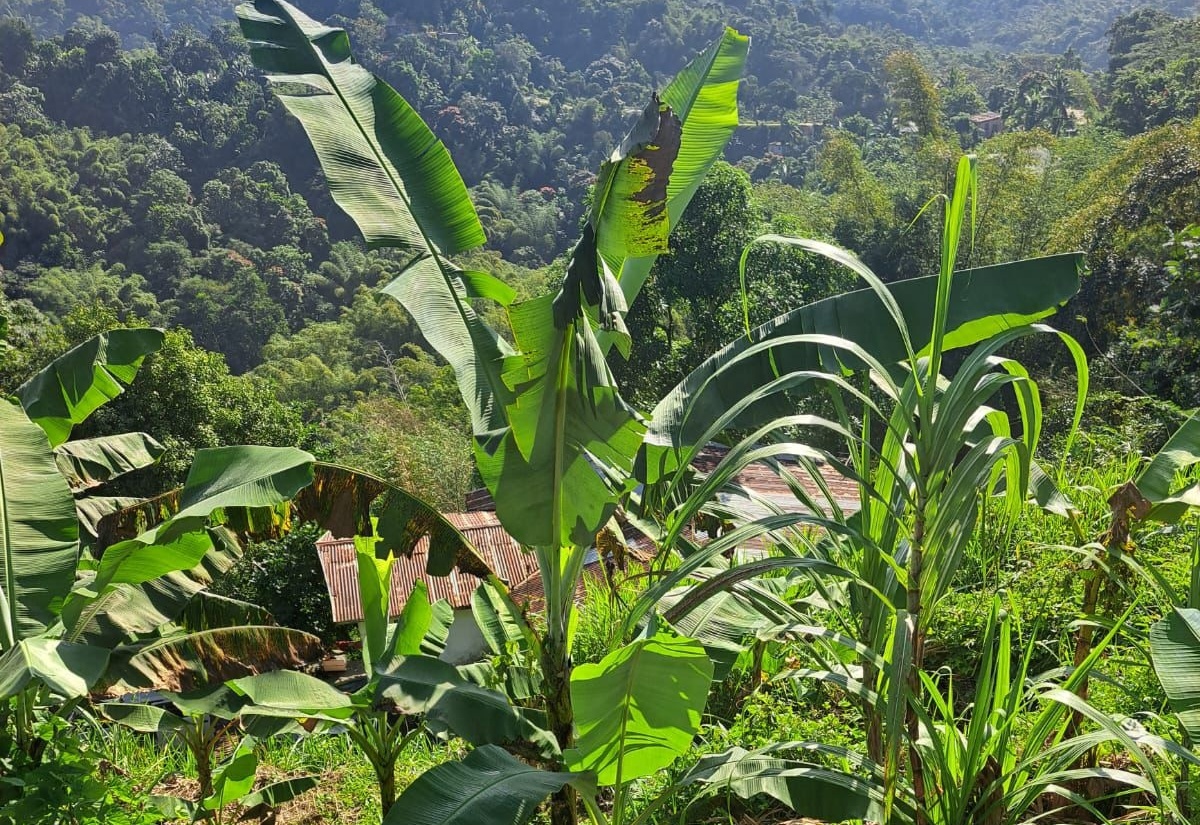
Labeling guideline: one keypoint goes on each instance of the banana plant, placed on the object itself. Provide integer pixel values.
(407, 693)
(62, 613)
(555, 443)
(1162, 493)
(202, 720)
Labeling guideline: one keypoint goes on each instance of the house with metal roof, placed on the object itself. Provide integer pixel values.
(465, 643)
(756, 490)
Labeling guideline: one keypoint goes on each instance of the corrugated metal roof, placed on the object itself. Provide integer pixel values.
(758, 478)
(339, 564)
(764, 482)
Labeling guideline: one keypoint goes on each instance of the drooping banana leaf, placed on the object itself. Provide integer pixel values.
(422, 684)
(209, 611)
(246, 477)
(340, 500)
(220, 478)
(188, 661)
(70, 389)
(143, 718)
(269, 797)
(1175, 653)
(39, 534)
(290, 693)
(984, 302)
(1157, 481)
(144, 582)
(92, 510)
(66, 669)
(488, 787)
(120, 612)
(91, 462)
(394, 178)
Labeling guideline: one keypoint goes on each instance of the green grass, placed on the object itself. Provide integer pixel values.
(346, 794)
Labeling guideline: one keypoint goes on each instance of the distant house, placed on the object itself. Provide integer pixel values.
(988, 123)
(510, 563)
(758, 489)
(809, 129)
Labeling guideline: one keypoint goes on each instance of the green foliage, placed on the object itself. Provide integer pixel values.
(68, 782)
(917, 98)
(189, 400)
(284, 577)
(637, 709)
(1153, 66)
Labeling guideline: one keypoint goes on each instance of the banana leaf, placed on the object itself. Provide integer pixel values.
(1157, 481)
(188, 661)
(91, 462)
(1175, 653)
(73, 386)
(39, 534)
(488, 787)
(394, 178)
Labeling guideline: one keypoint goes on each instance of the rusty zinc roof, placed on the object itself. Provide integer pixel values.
(339, 564)
(762, 481)
(758, 479)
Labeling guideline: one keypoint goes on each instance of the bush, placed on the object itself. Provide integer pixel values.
(284, 576)
(59, 779)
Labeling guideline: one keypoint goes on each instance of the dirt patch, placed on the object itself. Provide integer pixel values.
(318, 806)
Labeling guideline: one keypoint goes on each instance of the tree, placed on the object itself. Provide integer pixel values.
(189, 399)
(916, 95)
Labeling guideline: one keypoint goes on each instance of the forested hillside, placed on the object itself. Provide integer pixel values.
(148, 176)
(922, 553)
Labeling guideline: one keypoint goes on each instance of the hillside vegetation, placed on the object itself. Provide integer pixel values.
(561, 317)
